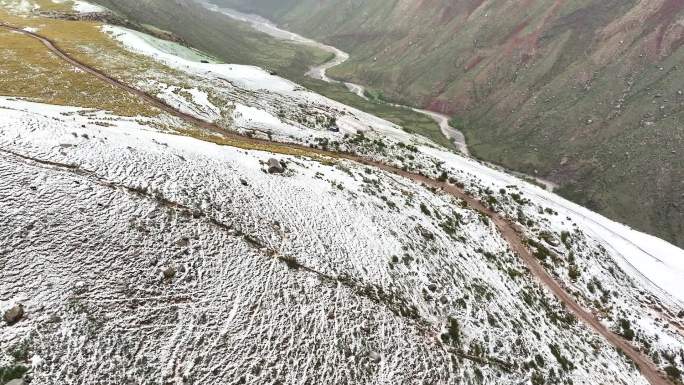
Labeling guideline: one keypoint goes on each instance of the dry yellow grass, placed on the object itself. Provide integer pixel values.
(30, 71)
(247, 144)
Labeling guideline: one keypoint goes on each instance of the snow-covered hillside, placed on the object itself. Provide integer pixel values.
(653, 260)
(138, 254)
(141, 254)
(253, 98)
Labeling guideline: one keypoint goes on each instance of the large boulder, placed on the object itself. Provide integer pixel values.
(14, 314)
(274, 166)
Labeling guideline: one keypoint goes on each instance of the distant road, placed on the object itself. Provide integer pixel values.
(509, 231)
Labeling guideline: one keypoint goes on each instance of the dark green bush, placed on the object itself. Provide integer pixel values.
(425, 210)
(673, 372)
(10, 373)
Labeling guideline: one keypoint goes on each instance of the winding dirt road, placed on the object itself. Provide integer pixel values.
(510, 231)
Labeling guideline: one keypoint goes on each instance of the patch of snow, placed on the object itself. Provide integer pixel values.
(85, 7)
(653, 260)
(249, 77)
(251, 117)
(256, 79)
(20, 6)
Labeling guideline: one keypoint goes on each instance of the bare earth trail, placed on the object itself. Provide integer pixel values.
(510, 231)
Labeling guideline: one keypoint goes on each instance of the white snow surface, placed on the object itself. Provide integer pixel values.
(656, 261)
(85, 7)
(256, 79)
(99, 214)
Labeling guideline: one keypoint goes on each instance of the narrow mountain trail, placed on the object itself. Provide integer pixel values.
(509, 230)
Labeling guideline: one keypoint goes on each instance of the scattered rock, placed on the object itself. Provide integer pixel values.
(275, 166)
(183, 242)
(36, 361)
(80, 288)
(14, 314)
(169, 272)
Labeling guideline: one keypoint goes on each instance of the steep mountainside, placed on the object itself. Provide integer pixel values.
(205, 274)
(235, 42)
(210, 32)
(167, 219)
(586, 93)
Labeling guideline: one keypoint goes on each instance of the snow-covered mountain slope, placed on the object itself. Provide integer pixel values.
(143, 255)
(286, 110)
(658, 261)
(654, 260)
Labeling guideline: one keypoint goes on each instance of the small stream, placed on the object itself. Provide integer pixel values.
(320, 72)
